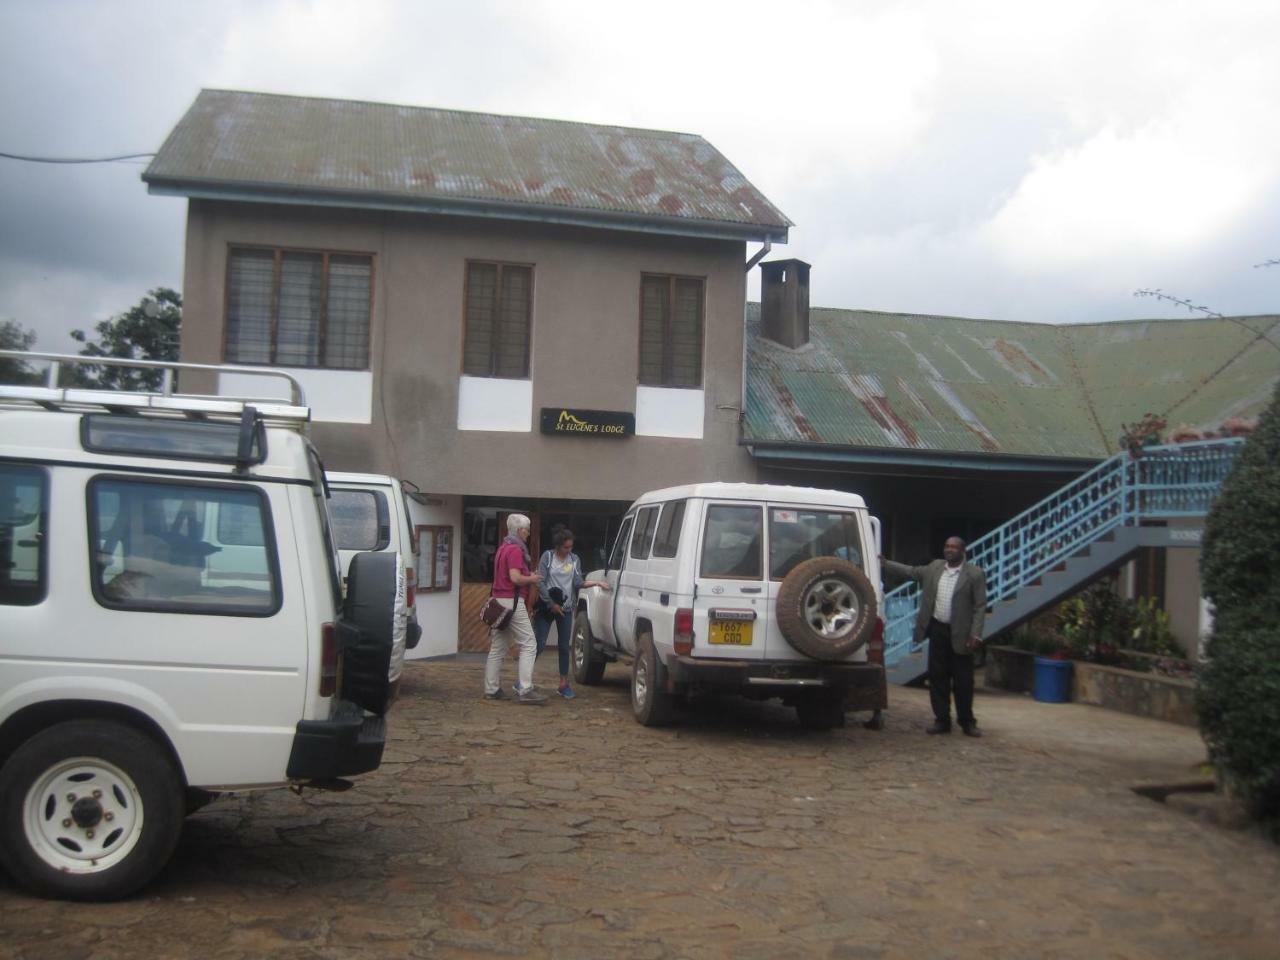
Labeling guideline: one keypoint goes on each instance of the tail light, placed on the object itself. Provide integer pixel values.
(875, 646)
(328, 660)
(410, 586)
(684, 631)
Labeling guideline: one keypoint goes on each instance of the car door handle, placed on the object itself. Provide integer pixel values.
(751, 589)
(664, 599)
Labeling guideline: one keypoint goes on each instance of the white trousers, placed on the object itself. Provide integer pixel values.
(519, 631)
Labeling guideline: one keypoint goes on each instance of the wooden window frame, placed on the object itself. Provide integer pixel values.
(668, 353)
(431, 533)
(497, 310)
(323, 332)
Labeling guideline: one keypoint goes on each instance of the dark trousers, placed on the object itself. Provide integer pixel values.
(948, 670)
(542, 621)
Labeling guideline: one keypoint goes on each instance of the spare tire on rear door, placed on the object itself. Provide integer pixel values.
(826, 608)
(374, 619)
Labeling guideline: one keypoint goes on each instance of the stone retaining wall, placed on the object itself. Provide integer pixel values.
(1140, 694)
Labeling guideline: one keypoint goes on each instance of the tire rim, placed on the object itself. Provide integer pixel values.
(640, 682)
(831, 607)
(580, 646)
(83, 815)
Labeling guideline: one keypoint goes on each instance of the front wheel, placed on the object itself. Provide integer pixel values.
(89, 811)
(588, 664)
(651, 704)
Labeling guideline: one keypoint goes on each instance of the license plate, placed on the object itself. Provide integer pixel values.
(735, 633)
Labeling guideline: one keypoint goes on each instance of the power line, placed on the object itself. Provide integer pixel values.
(27, 159)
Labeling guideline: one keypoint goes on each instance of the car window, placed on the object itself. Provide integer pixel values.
(361, 519)
(620, 545)
(151, 548)
(23, 535)
(646, 522)
(666, 542)
(732, 543)
(796, 535)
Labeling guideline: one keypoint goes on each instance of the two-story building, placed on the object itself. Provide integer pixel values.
(513, 314)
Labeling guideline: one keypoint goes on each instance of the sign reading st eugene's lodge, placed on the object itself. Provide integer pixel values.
(588, 423)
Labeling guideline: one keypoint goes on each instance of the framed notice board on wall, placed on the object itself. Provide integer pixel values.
(435, 557)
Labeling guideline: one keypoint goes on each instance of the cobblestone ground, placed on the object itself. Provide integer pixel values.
(570, 831)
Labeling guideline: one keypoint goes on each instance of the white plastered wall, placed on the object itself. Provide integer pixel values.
(438, 612)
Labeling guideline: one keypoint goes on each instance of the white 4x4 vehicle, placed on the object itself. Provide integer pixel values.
(369, 514)
(767, 591)
(172, 624)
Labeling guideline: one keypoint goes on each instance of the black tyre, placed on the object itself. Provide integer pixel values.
(651, 704)
(373, 630)
(821, 710)
(89, 810)
(588, 664)
(826, 608)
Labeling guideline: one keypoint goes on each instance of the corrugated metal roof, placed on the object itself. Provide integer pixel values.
(953, 385)
(358, 151)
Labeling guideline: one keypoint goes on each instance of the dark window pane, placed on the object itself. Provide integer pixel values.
(655, 307)
(347, 333)
(360, 519)
(250, 279)
(23, 535)
(156, 547)
(620, 545)
(667, 541)
(298, 327)
(686, 335)
(646, 523)
(799, 535)
(731, 544)
(198, 440)
(513, 318)
(482, 303)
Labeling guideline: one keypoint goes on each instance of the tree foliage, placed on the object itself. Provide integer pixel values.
(1239, 693)
(149, 330)
(14, 336)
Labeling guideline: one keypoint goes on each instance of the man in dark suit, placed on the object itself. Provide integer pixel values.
(953, 606)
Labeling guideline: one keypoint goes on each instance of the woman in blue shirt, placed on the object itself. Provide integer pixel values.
(562, 578)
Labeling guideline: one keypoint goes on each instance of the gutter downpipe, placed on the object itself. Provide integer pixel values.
(742, 399)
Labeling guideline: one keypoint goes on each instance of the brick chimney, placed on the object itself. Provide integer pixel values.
(784, 302)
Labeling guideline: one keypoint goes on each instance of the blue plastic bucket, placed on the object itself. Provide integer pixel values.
(1053, 680)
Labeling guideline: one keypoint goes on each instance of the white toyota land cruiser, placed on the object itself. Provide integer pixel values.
(767, 591)
(172, 624)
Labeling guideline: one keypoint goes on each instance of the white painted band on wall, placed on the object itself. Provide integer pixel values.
(487, 403)
(665, 412)
(335, 396)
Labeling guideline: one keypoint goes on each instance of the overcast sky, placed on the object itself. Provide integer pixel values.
(1012, 160)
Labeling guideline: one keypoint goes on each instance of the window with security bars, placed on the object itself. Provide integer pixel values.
(298, 308)
(671, 310)
(498, 310)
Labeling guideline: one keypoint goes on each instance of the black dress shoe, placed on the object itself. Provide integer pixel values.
(970, 729)
(938, 727)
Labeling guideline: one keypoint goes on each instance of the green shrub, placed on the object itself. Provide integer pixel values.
(1239, 692)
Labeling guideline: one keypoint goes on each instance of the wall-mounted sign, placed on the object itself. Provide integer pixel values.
(588, 423)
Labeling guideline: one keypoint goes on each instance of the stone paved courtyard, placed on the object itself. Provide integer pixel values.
(570, 831)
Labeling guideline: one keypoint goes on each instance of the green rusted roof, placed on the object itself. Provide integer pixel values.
(905, 382)
(257, 146)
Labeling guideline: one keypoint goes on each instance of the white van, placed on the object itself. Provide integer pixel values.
(370, 514)
(172, 623)
(762, 590)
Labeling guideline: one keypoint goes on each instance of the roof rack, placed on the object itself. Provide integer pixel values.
(294, 412)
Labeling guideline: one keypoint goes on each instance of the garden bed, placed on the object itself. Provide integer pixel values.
(1010, 668)
(1142, 694)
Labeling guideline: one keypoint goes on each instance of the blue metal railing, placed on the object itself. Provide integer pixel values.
(1179, 480)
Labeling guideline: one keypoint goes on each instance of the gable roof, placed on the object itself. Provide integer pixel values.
(926, 385)
(286, 149)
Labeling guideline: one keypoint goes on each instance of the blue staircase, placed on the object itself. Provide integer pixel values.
(1056, 547)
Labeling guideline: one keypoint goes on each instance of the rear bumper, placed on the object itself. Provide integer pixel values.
(342, 746)
(863, 683)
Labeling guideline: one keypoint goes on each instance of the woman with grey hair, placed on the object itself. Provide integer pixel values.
(510, 574)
